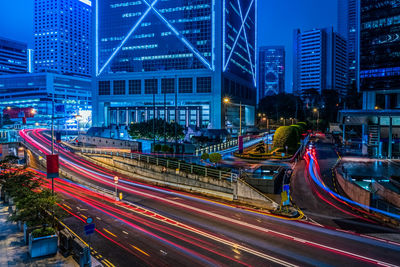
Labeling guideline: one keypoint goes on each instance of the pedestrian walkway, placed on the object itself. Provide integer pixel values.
(13, 251)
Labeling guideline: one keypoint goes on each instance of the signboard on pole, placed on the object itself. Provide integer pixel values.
(52, 166)
(89, 228)
(285, 195)
(240, 144)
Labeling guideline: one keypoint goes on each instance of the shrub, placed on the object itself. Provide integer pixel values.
(303, 125)
(43, 232)
(298, 130)
(215, 157)
(157, 147)
(165, 148)
(205, 156)
(286, 136)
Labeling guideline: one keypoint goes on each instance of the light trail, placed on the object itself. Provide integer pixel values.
(127, 188)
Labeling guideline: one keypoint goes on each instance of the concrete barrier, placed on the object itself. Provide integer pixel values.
(353, 191)
(387, 194)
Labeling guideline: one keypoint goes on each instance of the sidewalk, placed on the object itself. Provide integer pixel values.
(13, 251)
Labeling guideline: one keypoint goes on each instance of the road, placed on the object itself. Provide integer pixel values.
(157, 226)
(323, 208)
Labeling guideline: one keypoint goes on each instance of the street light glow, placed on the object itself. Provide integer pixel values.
(226, 100)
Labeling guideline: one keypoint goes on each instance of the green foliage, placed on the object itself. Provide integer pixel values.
(165, 148)
(298, 130)
(215, 157)
(157, 147)
(260, 148)
(303, 126)
(286, 136)
(43, 232)
(144, 130)
(33, 204)
(205, 156)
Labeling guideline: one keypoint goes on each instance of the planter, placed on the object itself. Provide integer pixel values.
(43, 246)
(27, 231)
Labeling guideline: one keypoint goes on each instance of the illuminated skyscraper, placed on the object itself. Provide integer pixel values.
(62, 36)
(319, 61)
(175, 59)
(13, 57)
(272, 70)
(348, 27)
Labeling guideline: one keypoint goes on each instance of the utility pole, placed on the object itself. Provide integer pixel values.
(240, 117)
(176, 119)
(154, 121)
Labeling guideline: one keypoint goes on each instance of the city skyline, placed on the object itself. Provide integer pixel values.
(306, 15)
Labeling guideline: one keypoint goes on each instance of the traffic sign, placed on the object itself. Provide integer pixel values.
(116, 179)
(89, 220)
(89, 228)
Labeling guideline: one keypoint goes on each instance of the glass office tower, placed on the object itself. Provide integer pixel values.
(174, 60)
(380, 54)
(272, 70)
(13, 57)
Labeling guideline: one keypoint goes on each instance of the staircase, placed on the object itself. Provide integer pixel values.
(373, 139)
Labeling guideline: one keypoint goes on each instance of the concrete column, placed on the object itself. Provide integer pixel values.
(127, 117)
(379, 137)
(198, 117)
(187, 116)
(387, 102)
(137, 115)
(117, 112)
(390, 145)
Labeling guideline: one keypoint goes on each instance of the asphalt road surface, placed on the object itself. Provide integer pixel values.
(155, 226)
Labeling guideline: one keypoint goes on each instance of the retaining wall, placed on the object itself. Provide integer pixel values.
(353, 191)
(388, 195)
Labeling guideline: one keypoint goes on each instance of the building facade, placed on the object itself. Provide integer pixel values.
(379, 79)
(62, 31)
(271, 70)
(348, 27)
(71, 95)
(13, 57)
(175, 60)
(319, 61)
(380, 54)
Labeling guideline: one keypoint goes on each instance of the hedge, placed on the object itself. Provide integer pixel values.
(286, 136)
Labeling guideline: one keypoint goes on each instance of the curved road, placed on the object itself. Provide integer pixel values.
(157, 226)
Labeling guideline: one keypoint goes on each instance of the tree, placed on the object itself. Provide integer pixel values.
(205, 156)
(144, 130)
(281, 105)
(286, 136)
(215, 158)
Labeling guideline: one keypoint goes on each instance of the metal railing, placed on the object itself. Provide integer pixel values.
(176, 165)
(220, 146)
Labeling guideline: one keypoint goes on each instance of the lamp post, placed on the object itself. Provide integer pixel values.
(284, 121)
(116, 186)
(228, 101)
(317, 111)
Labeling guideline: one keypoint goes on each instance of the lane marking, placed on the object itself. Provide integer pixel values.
(109, 232)
(140, 250)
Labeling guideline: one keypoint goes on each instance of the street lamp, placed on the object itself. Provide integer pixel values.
(227, 100)
(284, 121)
(317, 111)
(116, 186)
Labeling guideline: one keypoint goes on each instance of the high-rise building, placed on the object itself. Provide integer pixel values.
(348, 27)
(175, 60)
(379, 79)
(319, 61)
(13, 57)
(62, 36)
(271, 74)
(380, 54)
(71, 97)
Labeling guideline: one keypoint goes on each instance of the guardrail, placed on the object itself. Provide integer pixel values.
(167, 163)
(221, 146)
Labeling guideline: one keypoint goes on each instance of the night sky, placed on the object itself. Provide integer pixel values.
(277, 19)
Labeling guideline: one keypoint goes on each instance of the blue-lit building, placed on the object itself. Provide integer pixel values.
(271, 70)
(13, 57)
(319, 61)
(62, 30)
(71, 96)
(175, 59)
